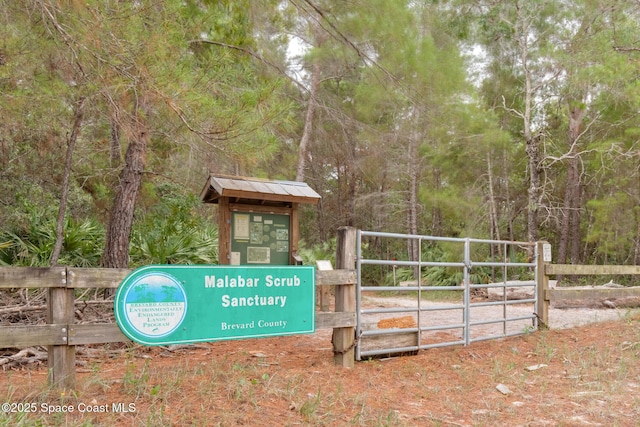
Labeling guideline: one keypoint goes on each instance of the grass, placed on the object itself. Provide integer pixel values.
(593, 375)
(157, 393)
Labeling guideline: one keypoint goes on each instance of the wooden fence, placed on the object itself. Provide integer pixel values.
(61, 334)
(546, 295)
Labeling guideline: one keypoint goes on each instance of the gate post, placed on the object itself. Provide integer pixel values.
(542, 308)
(344, 338)
(61, 359)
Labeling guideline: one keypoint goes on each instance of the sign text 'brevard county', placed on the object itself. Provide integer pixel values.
(168, 304)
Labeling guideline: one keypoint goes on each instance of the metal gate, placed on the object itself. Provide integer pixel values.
(489, 292)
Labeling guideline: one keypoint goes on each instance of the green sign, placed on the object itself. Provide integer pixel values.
(167, 304)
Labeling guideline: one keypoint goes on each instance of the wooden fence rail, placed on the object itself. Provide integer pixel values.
(61, 334)
(546, 295)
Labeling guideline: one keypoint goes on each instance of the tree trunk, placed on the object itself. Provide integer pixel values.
(493, 217)
(303, 150)
(308, 123)
(569, 244)
(114, 142)
(413, 246)
(570, 227)
(508, 204)
(636, 246)
(64, 192)
(437, 227)
(522, 29)
(351, 174)
(535, 190)
(116, 251)
(576, 218)
(575, 124)
(493, 210)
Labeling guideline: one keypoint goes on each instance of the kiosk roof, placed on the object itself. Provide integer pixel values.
(256, 189)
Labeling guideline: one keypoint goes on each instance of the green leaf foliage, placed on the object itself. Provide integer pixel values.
(173, 232)
(418, 122)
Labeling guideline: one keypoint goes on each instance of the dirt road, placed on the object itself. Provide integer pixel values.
(442, 322)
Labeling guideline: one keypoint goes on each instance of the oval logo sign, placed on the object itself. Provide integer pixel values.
(153, 305)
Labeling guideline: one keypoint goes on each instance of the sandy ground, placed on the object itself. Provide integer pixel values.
(559, 318)
(442, 325)
(569, 375)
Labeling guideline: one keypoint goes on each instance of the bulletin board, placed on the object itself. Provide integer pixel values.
(260, 238)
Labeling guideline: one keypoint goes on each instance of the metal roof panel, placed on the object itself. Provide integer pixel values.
(257, 189)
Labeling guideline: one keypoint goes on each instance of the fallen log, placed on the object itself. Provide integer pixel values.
(23, 357)
(600, 303)
(511, 290)
(609, 295)
(21, 309)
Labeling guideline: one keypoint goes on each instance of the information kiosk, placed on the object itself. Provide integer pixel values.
(257, 219)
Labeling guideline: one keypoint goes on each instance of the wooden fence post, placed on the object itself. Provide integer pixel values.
(61, 358)
(344, 338)
(542, 309)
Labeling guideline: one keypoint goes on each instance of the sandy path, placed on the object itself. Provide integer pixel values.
(434, 316)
